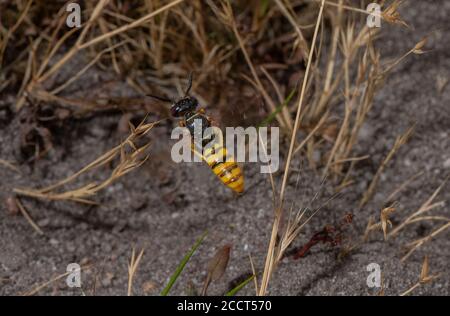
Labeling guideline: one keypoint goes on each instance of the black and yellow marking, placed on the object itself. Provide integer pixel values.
(224, 167)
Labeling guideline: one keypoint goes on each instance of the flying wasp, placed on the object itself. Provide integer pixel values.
(223, 165)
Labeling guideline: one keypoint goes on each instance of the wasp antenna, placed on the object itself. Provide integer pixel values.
(159, 98)
(189, 84)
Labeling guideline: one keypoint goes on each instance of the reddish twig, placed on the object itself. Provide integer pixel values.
(332, 235)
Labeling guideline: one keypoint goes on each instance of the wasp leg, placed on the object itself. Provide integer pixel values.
(182, 123)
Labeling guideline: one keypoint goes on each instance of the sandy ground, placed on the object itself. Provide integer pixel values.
(164, 207)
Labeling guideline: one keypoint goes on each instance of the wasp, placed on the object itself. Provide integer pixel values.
(221, 163)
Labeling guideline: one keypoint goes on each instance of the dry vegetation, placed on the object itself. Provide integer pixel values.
(314, 65)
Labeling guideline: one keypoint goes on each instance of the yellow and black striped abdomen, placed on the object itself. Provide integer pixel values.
(225, 167)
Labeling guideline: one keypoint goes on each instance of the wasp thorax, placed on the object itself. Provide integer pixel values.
(196, 123)
(185, 105)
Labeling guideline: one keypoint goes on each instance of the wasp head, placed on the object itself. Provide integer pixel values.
(185, 105)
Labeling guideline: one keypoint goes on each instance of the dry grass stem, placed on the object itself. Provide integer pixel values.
(271, 253)
(35, 82)
(404, 185)
(427, 206)
(400, 141)
(413, 246)
(51, 281)
(28, 217)
(132, 268)
(9, 165)
(128, 161)
(228, 16)
(255, 279)
(291, 19)
(384, 219)
(424, 277)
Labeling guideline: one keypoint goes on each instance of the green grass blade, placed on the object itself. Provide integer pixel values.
(239, 286)
(182, 264)
(278, 109)
(264, 6)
